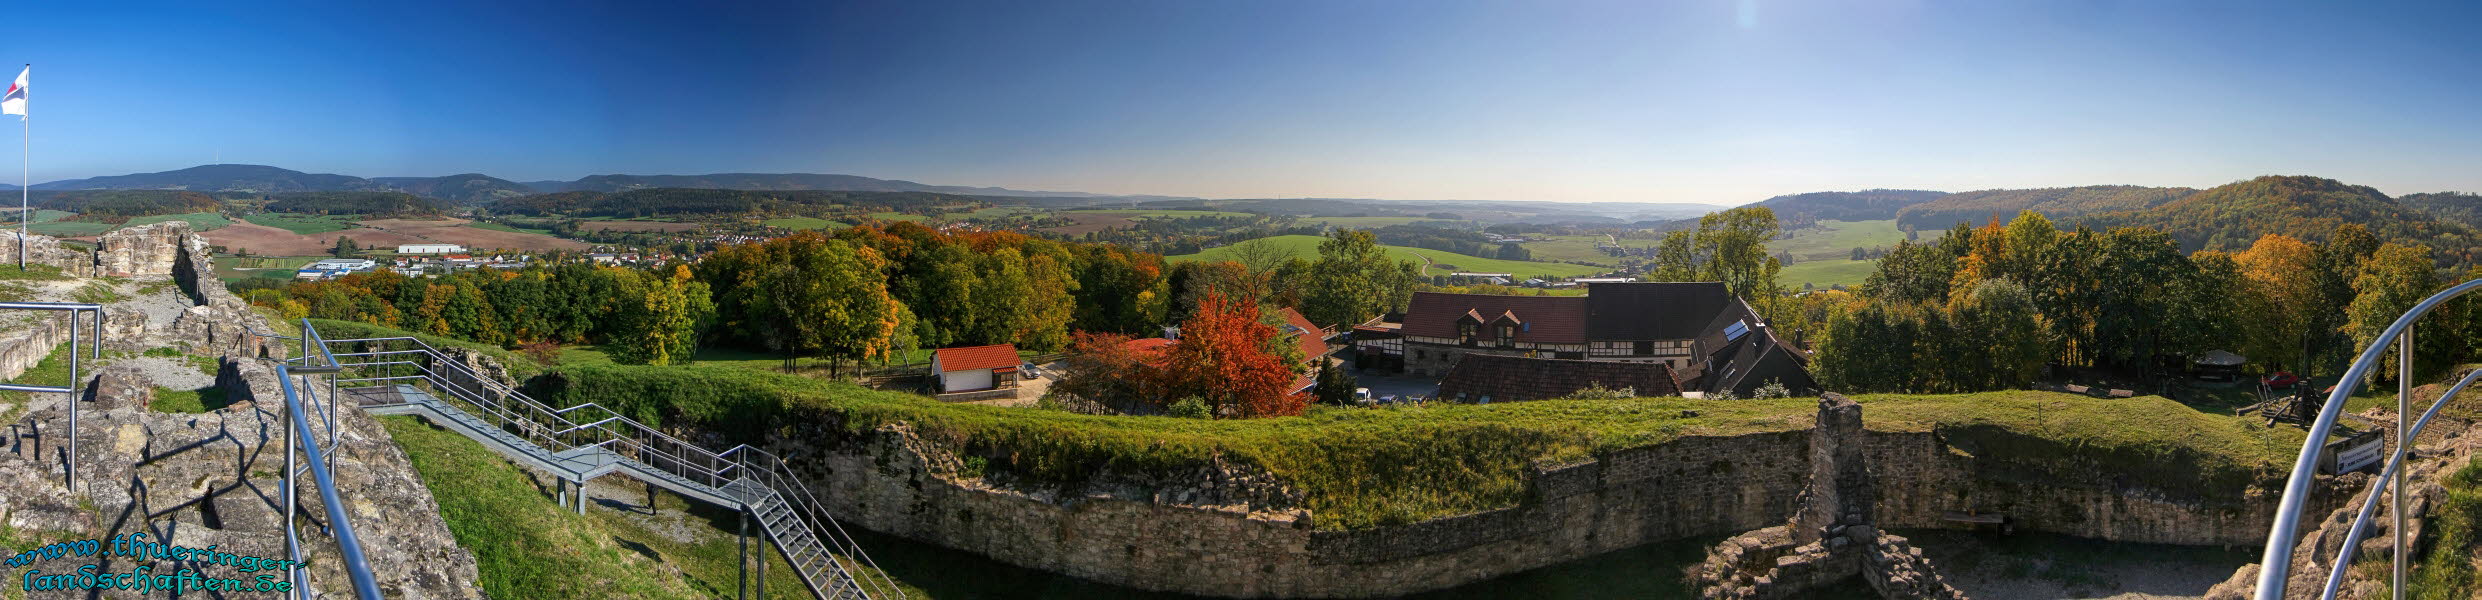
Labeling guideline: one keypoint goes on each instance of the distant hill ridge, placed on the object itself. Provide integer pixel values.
(477, 188)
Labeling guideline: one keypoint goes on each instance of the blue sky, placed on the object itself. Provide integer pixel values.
(1690, 101)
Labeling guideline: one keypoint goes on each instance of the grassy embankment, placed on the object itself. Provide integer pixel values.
(1307, 246)
(1362, 468)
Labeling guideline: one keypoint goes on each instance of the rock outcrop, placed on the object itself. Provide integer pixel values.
(46, 250)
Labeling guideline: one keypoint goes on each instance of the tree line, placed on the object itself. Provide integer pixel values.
(1987, 308)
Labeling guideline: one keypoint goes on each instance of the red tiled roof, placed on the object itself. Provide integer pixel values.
(1313, 342)
(998, 357)
(1546, 319)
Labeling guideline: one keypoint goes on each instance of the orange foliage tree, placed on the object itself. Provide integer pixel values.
(1222, 358)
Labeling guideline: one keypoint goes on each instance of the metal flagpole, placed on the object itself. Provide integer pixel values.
(25, 175)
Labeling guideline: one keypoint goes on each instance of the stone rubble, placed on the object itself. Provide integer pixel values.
(1829, 540)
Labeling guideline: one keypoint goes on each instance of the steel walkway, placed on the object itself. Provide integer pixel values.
(403, 376)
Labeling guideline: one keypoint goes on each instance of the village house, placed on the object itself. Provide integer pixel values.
(1698, 331)
(1487, 378)
(986, 371)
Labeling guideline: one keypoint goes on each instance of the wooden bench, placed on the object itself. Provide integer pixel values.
(2079, 389)
(2123, 394)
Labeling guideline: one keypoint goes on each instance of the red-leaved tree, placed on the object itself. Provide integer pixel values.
(1222, 358)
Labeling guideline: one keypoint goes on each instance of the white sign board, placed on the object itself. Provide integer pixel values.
(2358, 453)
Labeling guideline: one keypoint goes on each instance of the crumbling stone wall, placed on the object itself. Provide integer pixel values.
(151, 249)
(46, 250)
(1829, 540)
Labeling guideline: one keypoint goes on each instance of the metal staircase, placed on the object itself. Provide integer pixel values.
(406, 376)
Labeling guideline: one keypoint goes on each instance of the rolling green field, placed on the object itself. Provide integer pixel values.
(1307, 246)
(41, 215)
(303, 224)
(1837, 239)
(1573, 247)
(804, 223)
(68, 228)
(1823, 273)
(896, 216)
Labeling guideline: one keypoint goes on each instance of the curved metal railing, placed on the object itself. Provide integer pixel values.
(593, 425)
(300, 437)
(2275, 564)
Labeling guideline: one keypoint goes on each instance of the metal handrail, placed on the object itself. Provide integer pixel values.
(596, 425)
(357, 566)
(69, 469)
(2275, 563)
(2361, 520)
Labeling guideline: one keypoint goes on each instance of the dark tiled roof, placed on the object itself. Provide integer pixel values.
(1547, 319)
(1655, 311)
(1513, 378)
(1752, 361)
(1000, 357)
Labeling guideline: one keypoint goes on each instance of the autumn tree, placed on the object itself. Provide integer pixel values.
(2282, 294)
(2392, 280)
(1222, 357)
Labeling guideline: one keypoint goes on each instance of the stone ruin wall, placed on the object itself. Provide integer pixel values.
(201, 479)
(890, 482)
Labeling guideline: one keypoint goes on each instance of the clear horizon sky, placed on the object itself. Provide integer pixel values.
(1720, 102)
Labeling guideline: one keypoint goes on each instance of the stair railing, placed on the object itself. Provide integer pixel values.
(300, 437)
(2275, 564)
(591, 424)
(70, 468)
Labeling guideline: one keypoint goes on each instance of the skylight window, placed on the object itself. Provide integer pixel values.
(1734, 331)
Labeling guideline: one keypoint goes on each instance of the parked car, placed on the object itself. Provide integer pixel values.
(2281, 379)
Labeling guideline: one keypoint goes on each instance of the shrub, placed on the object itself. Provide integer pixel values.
(1191, 407)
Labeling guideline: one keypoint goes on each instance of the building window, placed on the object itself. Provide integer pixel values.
(1508, 335)
(1465, 333)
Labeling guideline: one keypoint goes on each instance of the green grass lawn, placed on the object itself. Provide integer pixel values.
(804, 223)
(896, 216)
(205, 221)
(1837, 239)
(1824, 273)
(303, 224)
(1307, 246)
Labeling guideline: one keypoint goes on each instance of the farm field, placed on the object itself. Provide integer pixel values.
(302, 223)
(455, 231)
(205, 221)
(1837, 239)
(1825, 273)
(497, 226)
(1307, 246)
(635, 226)
(1153, 214)
(896, 216)
(1576, 247)
(41, 215)
(67, 228)
(803, 223)
(1369, 222)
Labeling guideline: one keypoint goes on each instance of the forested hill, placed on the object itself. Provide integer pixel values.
(2060, 204)
(464, 189)
(119, 205)
(684, 202)
(1801, 210)
(2233, 216)
(378, 204)
(2454, 207)
(261, 179)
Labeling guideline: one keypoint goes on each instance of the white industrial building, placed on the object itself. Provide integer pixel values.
(429, 249)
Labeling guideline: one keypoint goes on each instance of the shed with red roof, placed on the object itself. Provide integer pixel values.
(975, 368)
